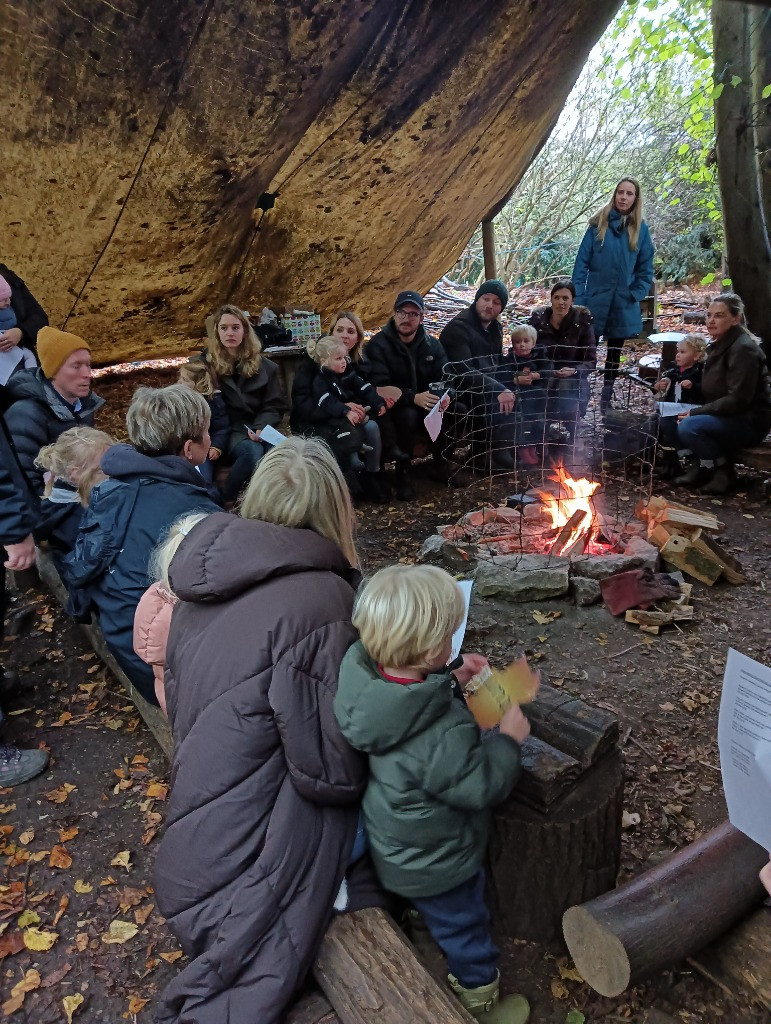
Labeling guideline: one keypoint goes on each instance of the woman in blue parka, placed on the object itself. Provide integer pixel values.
(614, 272)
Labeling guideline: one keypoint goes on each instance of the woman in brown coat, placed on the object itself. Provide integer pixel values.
(264, 805)
(735, 411)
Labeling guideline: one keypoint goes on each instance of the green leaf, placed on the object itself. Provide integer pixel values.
(708, 279)
(575, 1017)
(726, 282)
(682, 149)
(766, 92)
(717, 92)
(735, 80)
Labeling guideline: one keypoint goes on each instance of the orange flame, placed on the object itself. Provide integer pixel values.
(573, 496)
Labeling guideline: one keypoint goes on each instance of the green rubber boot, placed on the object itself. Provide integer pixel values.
(485, 1003)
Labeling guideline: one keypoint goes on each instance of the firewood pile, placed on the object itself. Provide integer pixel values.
(684, 538)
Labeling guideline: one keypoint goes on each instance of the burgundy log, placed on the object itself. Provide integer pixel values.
(666, 914)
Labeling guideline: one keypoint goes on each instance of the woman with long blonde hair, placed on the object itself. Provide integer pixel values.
(614, 272)
(264, 807)
(250, 389)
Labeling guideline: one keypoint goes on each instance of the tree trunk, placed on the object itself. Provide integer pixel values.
(488, 250)
(541, 863)
(666, 914)
(740, 33)
(761, 65)
(372, 976)
(742, 958)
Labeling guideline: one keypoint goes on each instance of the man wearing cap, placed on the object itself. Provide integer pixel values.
(473, 341)
(50, 400)
(403, 355)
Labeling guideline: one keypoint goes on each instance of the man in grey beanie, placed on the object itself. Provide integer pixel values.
(473, 341)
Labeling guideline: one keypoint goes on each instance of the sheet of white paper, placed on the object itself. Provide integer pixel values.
(460, 632)
(674, 408)
(744, 738)
(433, 420)
(271, 436)
(666, 336)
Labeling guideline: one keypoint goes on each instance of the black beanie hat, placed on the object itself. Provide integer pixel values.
(494, 287)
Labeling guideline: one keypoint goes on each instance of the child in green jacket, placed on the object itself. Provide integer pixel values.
(432, 776)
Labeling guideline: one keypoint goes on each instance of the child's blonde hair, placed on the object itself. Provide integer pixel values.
(320, 351)
(200, 377)
(697, 343)
(160, 559)
(76, 452)
(524, 331)
(406, 612)
(299, 484)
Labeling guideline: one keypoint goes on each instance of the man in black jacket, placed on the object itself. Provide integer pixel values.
(16, 522)
(403, 355)
(473, 341)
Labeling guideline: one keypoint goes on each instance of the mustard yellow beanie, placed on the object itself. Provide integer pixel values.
(54, 347)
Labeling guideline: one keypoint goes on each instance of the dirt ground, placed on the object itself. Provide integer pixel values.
(77, 844)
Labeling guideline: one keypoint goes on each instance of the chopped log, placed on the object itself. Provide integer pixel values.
(732, 567)
(563, 537)
(547, 773)
(742, 957)
(667, 913)
(682, 613)
(541, 864)
(371, 975)
(685, 517)
(566, 722)
(154, 718)
(696, 561)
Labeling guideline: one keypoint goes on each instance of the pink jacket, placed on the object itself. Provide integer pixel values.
(152, 622)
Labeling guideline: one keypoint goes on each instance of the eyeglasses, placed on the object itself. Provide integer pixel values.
(411, 314)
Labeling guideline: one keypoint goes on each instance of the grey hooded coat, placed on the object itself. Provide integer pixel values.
(265, 790)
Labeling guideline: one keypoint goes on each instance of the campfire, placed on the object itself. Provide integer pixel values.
(571, 512)
(565, 520)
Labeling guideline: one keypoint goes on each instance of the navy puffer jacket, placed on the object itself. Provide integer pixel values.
(128, 515)
(38, 415)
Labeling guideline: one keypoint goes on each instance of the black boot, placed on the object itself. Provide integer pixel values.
(694, 476)
(442, 471)
(723, 480)
(375, 487)
(502, 461)
(668, 465)
(403, 490)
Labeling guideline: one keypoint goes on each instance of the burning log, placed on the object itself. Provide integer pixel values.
(666, 914)
(565, 535)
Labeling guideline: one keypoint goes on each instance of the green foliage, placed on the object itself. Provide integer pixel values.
(642, 106)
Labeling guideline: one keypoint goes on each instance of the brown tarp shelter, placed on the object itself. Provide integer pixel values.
(138, 136)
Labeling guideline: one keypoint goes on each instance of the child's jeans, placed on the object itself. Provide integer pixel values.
(460, 925)
(373, 441)
(361, 842)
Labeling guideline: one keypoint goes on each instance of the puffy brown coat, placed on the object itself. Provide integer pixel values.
(265, 790)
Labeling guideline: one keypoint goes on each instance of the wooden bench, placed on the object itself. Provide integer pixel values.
(758, 458)
(368, 972)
